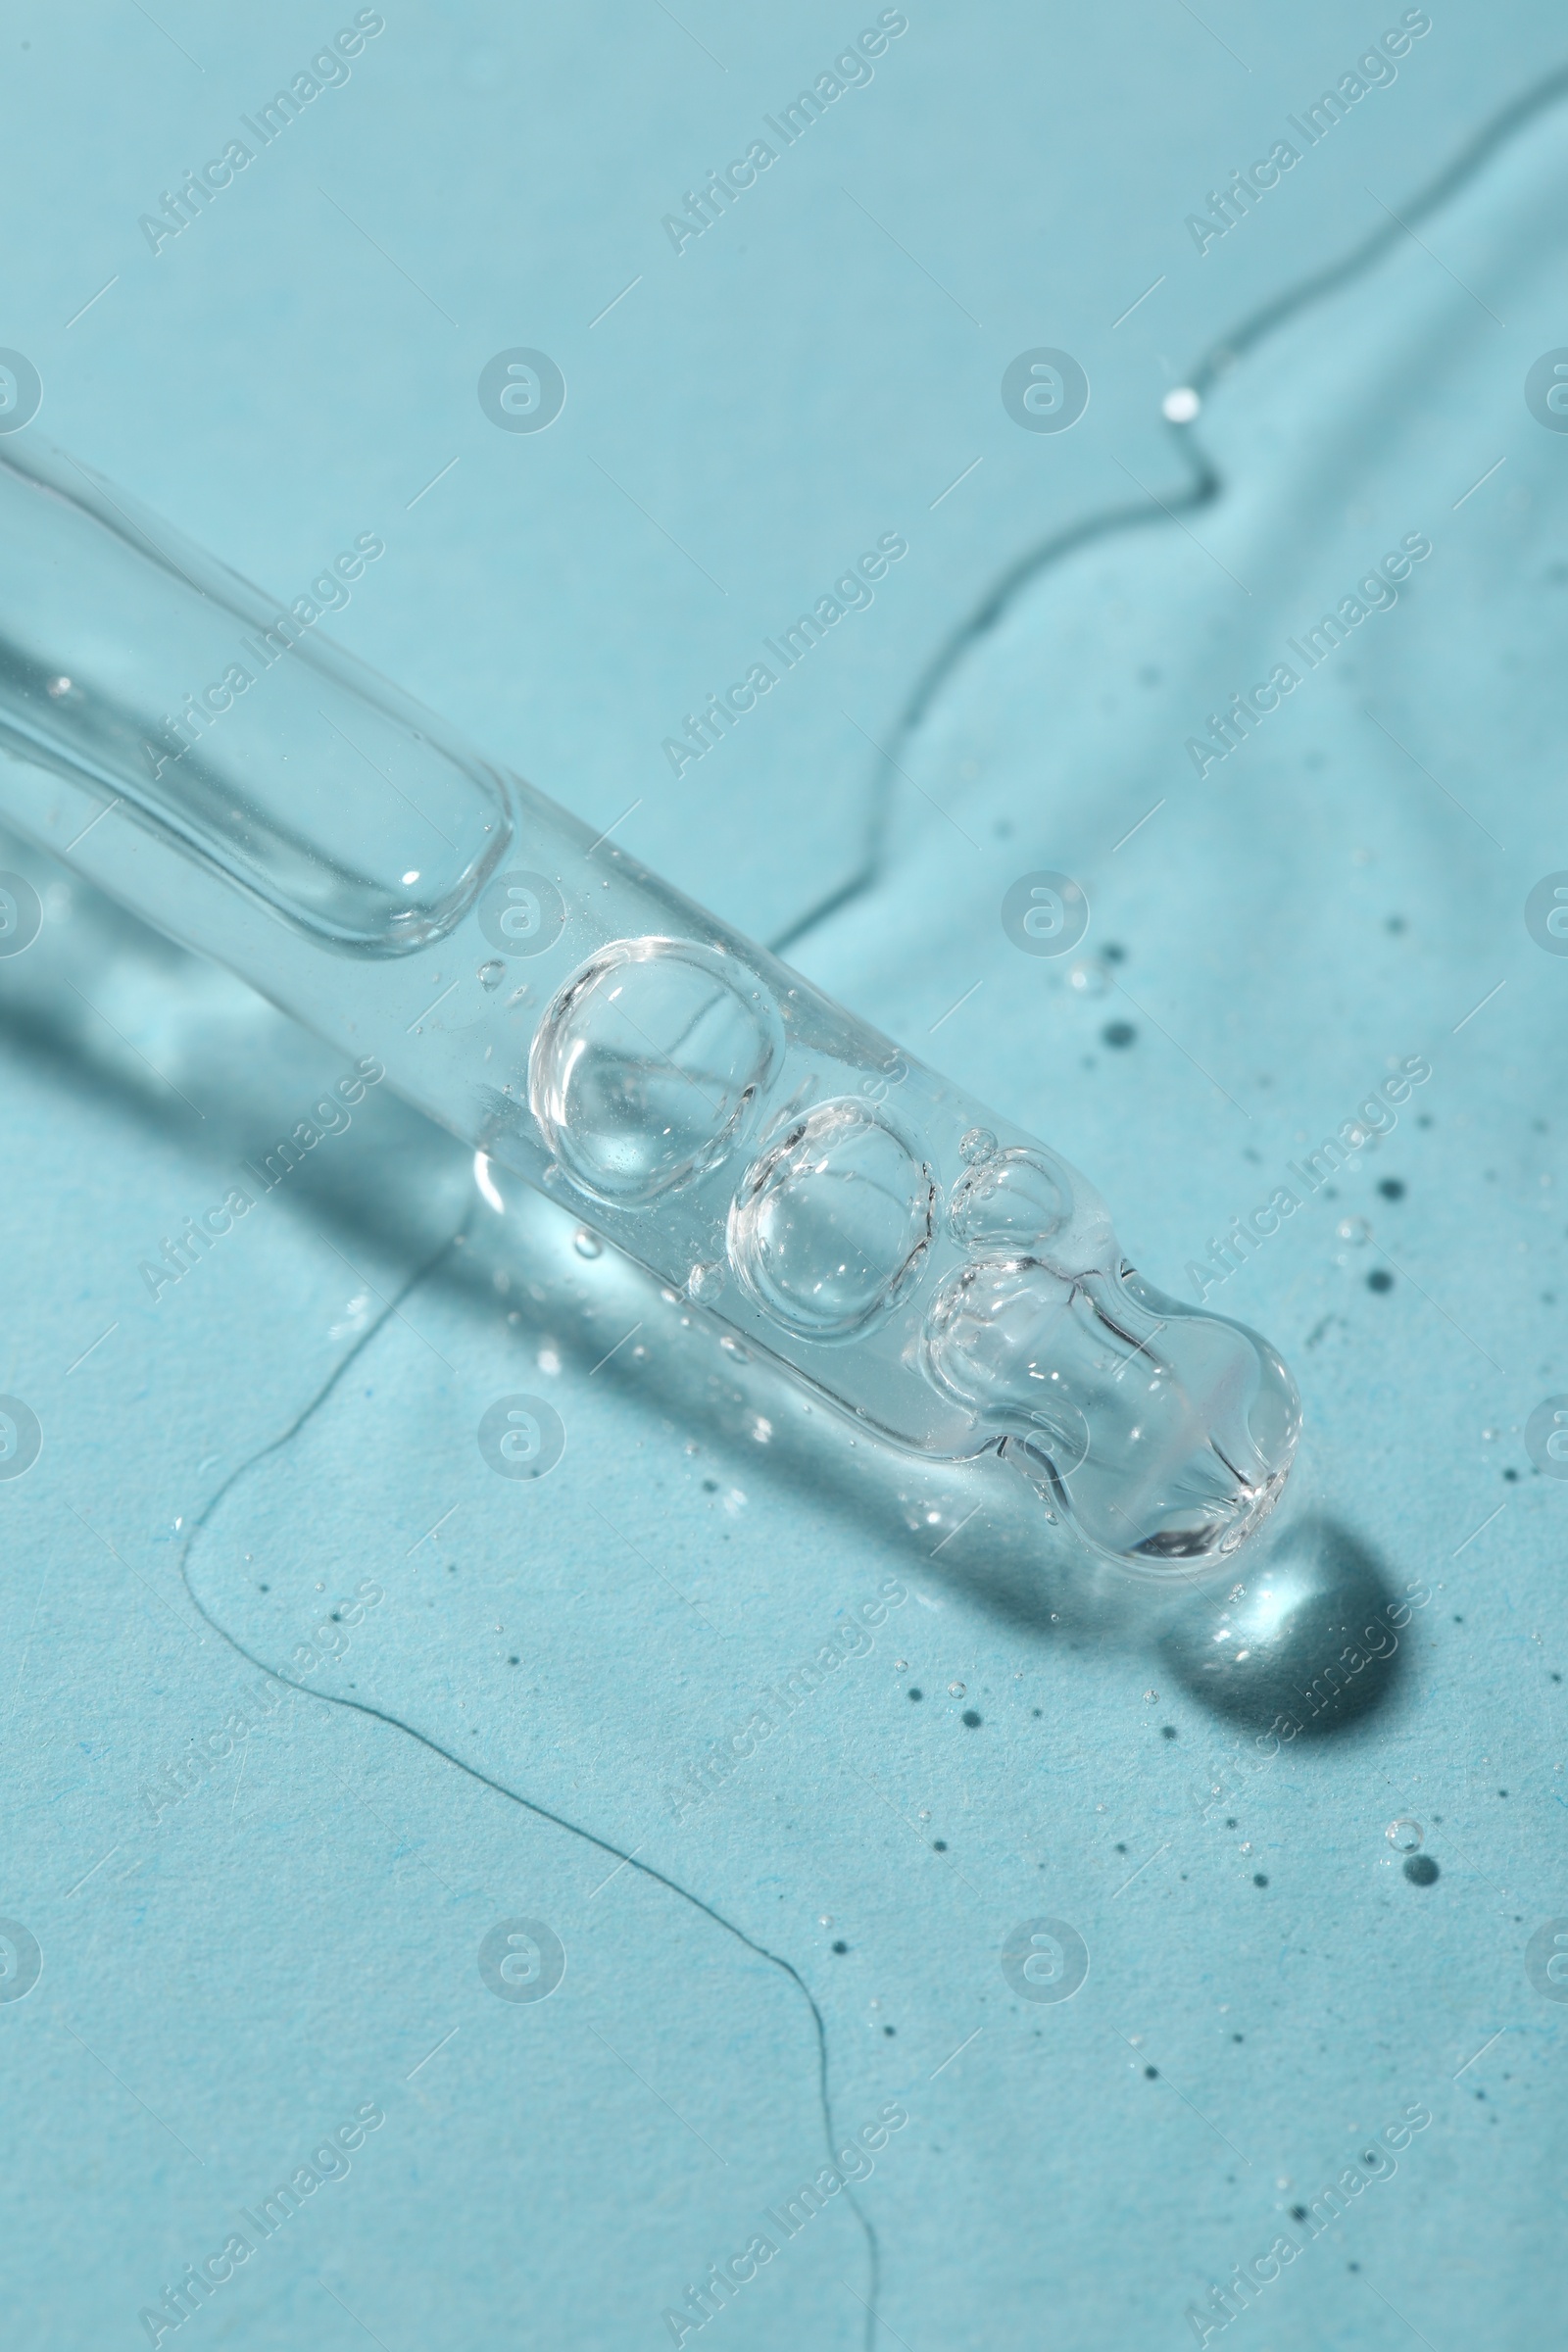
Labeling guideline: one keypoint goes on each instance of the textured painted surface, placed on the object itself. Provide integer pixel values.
(260, 1913)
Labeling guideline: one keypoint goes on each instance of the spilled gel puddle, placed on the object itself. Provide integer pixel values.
(1204, 485)
(602, 1844)
(1313, 1584)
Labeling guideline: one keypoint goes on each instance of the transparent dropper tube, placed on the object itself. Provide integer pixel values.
(210, 759)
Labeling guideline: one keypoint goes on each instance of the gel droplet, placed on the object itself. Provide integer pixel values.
(647, 1068)
(706, 1279)
(491, 974)
(1302, 1645)
(1404, 1836)
(586, 1243)
(829, 1224)
(978, 1143)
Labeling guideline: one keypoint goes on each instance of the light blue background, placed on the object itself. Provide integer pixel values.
(227, 1983)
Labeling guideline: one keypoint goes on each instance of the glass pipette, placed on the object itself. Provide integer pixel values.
(211, 761)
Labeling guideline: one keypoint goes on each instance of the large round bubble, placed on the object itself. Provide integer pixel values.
(648, 1068)
(830, 1224)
